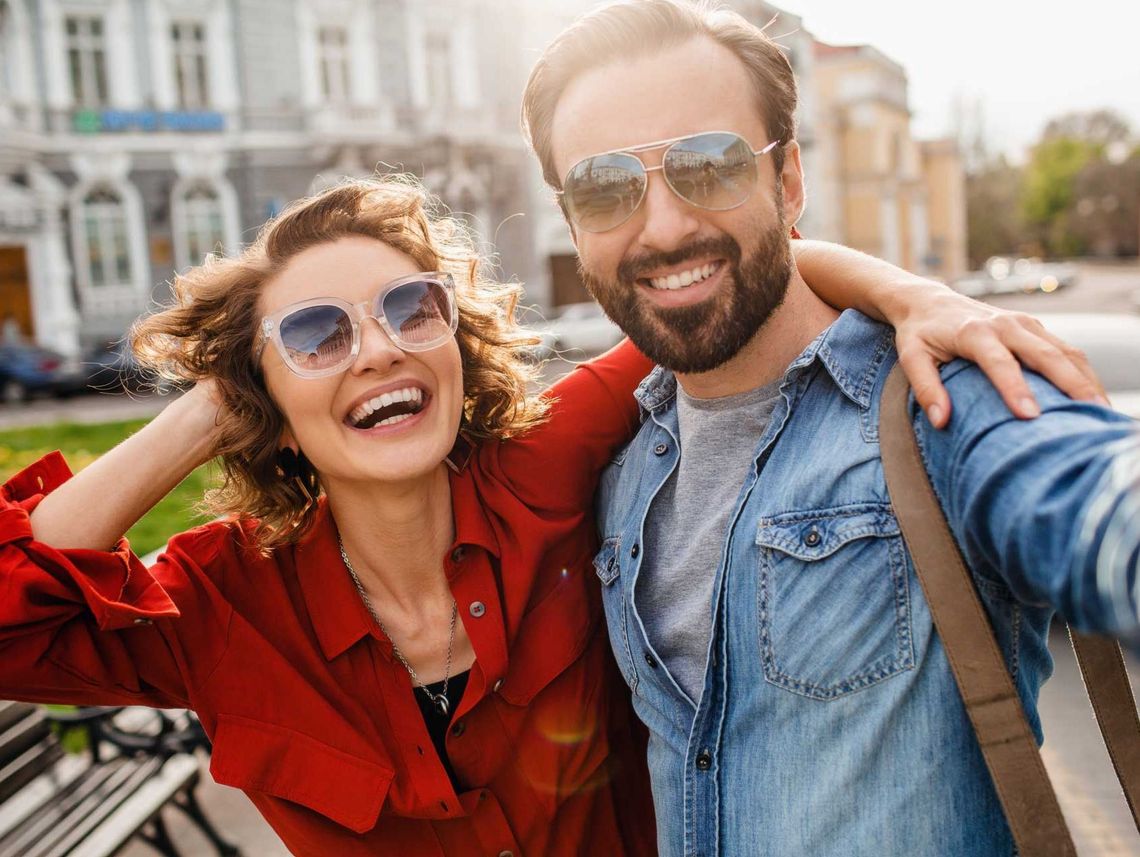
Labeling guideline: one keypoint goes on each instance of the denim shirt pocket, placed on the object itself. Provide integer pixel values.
(833, 600)
(607, 564)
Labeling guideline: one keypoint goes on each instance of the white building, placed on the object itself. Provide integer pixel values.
(138, 135)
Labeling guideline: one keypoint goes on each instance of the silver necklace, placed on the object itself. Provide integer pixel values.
(439, 700)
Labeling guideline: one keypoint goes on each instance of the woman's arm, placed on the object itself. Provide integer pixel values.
(95, 507)
(934, 324)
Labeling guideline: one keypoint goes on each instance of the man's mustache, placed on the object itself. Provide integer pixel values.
(632, 267)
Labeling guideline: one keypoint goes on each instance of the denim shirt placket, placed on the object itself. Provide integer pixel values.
(706, 715)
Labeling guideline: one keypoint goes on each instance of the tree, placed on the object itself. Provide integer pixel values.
(993, 213)
(1048, 194)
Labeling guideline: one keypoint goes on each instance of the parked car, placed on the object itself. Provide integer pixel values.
(1112, 343)
(28, 370)
(112, 368)
(1005, 275)
(578, 330)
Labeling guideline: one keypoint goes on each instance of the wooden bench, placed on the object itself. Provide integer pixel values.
(90, 804)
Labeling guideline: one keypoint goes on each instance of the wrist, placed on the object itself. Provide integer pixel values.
(908, 295)
(187, 430)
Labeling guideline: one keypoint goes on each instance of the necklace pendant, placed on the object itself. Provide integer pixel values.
(441, 703)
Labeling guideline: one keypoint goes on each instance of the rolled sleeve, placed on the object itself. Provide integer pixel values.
(41, 582)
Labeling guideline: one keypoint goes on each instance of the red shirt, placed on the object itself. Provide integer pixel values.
(309, 713)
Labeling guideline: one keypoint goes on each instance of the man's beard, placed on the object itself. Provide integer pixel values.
(706, 335)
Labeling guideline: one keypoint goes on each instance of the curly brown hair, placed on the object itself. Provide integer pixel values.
(209, 331)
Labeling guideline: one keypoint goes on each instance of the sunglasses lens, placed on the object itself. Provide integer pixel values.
(603, 191)
(715, 171)
(420, 312)
(317, 338)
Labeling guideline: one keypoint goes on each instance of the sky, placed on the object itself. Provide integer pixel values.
(1024, 62)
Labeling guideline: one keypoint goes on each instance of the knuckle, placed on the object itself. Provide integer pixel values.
(1076, 354)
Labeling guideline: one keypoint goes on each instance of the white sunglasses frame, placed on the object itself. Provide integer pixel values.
(269, 330)
(647, 147)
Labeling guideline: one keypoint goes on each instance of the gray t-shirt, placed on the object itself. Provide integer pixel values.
(686, 525)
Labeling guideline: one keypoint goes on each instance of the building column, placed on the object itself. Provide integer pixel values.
(49, 271)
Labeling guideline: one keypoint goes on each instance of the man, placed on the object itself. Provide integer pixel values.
(761, 602)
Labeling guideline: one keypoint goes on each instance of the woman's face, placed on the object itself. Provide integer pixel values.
(326, 418)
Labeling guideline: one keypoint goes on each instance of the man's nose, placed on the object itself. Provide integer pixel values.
(667, 221)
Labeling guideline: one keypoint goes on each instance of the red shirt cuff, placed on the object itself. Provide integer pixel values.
(115, 586)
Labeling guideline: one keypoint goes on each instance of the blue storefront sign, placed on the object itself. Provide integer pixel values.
(101, 121)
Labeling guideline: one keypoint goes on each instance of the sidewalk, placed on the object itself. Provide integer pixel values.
(91, 408)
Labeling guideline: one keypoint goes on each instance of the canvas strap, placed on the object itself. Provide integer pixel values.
(991, 700)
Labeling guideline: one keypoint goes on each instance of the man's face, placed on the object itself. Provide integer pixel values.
(689, 286)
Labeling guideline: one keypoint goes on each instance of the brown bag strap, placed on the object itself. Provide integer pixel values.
(1106, 680)
(991, 701)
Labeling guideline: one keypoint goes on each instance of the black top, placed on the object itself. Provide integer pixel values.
(438, 722)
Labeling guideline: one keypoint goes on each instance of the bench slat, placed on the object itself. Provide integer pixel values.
(39, 792)
(178, 772)
(99, 807)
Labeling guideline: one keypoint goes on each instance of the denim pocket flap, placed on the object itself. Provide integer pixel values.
(814, 535)
(606, 561)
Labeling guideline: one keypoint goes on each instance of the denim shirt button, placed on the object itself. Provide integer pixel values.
(661, 449)
(650, 661)
(634, 551)
(704, 760)
(812, 538)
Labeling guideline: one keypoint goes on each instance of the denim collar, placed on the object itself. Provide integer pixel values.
(851, 349)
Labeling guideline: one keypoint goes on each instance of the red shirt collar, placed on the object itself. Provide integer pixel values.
(339, 616)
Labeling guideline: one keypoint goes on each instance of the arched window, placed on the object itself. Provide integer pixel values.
(108, 251)
(203, 223)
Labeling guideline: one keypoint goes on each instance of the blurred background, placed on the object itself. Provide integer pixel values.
(994, 146)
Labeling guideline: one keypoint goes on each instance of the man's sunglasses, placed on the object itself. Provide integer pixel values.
(715, 170)
(321, 336)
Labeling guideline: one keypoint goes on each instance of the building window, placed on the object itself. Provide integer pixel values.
(203, 223)
(87, 60)
(108, 254)
(332, 45)
(439, 69)
(190, 64)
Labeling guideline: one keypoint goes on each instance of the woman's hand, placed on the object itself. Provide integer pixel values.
(934, 325)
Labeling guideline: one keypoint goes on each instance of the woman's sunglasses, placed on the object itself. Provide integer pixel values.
(321, 336)
(715, 170)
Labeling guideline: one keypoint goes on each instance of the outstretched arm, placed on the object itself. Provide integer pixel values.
(98, 505)
(935, 324)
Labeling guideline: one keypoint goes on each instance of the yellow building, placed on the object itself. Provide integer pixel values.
(883, 192)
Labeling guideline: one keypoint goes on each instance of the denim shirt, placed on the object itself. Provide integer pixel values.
(829, 722)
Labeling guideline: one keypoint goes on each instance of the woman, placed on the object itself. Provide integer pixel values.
(393, 637)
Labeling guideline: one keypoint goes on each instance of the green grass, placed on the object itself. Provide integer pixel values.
(82, 444)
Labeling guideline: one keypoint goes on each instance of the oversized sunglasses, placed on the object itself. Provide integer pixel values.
(715, 170)
(321, 336)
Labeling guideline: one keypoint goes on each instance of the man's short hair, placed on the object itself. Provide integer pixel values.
(631, 29)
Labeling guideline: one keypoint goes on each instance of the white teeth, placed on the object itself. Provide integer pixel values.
(685, 278)
(365, 409)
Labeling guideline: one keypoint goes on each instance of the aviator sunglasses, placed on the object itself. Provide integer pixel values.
(715, 170)
(321, 336)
